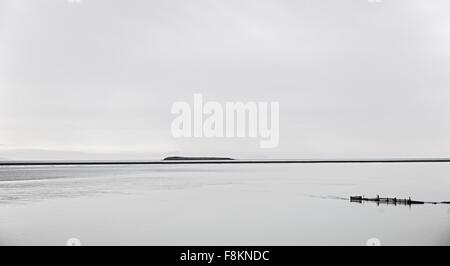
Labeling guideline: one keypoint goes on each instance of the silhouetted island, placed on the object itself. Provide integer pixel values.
(179, 158)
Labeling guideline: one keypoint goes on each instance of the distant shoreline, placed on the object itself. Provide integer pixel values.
(219, 161)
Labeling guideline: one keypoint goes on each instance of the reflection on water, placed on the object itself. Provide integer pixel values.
(221, 204)
(28, 184)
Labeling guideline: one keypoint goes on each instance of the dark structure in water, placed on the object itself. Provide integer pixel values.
(391, 201)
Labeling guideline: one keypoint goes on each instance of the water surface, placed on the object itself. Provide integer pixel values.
(222, 204)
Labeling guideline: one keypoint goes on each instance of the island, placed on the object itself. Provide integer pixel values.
(180, 158)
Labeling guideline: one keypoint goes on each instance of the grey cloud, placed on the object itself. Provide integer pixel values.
(353, 78)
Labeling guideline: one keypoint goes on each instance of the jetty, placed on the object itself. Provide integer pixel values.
(392, 201)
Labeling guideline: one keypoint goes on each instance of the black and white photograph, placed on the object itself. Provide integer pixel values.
(224, 123)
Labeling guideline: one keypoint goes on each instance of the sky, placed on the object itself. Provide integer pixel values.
(98, 78)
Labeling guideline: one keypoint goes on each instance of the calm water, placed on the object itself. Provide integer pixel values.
(222, 205)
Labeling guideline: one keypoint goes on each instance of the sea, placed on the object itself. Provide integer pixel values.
(226, 205)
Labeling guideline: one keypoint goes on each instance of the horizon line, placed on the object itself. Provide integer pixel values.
(232, 161)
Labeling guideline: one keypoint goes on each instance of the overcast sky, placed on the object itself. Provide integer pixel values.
(353, 78)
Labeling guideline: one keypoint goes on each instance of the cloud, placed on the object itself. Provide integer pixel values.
(352, 78)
